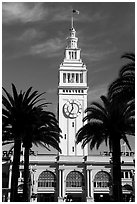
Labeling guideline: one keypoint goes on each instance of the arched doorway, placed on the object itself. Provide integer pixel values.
(20, 193)
(102, 184)
(46, 187)
(74, 186)
(127, 192)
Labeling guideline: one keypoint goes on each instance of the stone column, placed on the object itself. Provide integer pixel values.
(9, 185)
(89, 185)
(60, 198)
(63, 184)
(34, 185)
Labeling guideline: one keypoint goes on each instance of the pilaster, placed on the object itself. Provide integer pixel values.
(61, 185)
(90, 188)
(10, 173)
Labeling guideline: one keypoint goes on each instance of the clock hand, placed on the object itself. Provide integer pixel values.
(72, 106)
(71, 109)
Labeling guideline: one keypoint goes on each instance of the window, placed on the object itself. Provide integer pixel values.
(65, 136)
(72, 124)
(72, 80)
(81, 78)
(130, 174)
(126, 174)
(102, 180)
(72, 149)
(46, 179)
(122, 174)
(20, 187)
(69, 55)
(72, 55)
(74, 179)
(68, 77)
(77, 81)
(75, 55)
(64, 77)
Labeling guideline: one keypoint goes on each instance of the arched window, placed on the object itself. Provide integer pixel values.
(127, 187)
(46, 179)
(74, 179)
(20, 187)
(102, 180)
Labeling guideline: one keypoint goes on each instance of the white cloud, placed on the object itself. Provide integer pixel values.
(51, 48)
(22, 12)
(30, 12)
(30, 34)
(98, 16)
(64, 14)
(95, 55)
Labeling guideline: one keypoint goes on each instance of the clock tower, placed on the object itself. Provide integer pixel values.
(72, 96)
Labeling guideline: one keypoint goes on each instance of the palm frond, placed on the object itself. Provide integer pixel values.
(27, 94)
(129, 55)
(130, 68)
(10, 98)
(15, 94)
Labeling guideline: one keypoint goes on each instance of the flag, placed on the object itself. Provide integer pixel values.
(75, 11)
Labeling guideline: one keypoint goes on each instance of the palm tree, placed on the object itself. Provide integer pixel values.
(123, 88)
(43, 131)
(12, 130)
(109, 122)
(17, 121)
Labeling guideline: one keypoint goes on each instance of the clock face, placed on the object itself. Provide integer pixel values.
(72, 108)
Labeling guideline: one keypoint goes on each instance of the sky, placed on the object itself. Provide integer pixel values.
(34, 38)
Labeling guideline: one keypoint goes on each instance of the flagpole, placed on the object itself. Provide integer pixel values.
(72, 17)
(72, 21)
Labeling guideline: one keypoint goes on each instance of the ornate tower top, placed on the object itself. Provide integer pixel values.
(72, 39)
(72, 52)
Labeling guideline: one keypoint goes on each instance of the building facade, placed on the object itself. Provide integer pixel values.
(59, 178)
(72, 175)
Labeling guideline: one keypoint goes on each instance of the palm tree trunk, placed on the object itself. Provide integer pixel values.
(26, 186)
(116, 171)
(15, 171)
